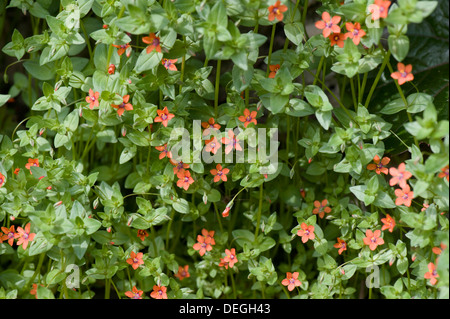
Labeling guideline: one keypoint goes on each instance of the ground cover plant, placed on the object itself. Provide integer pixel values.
(97, 94)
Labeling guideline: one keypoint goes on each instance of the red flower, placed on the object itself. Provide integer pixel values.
(169, 64)
(337, 39)
(404, 196)
(389, 223)
(163, 116)
(230, 257)
(142, 233)
(123, 106)
(399, 176)
(134, 294)
(208, 126)
(306, 232)
(212, 145)
(444, 173)
(135, 260)
(328, 24)
(248, 117)
(379, 165)
(111, 69)
(276, 11)
(321, 208)
(226, 212)
(209, 236)
(202, 245)
(291, 281)
(373, 239)
(32, 162)
(431, 274)
(159, 292)
(16, 171)
(231, 143)
(184, 179)
(179, 167)
(354, 32)
(273, 70)
(2, 179)
(183, 272)
(379, 9)
(92, 99)
(24, 236)
(153, 42)
(403, 74)
(164, 151)
(9, 235)
(341, 245)
(123, 48)
(220, 173)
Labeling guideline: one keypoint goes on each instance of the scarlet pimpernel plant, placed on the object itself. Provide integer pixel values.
(278, 149)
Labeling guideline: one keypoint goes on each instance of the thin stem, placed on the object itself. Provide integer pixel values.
(377, 78)
(355, 103)
(319, 68)
(363, 86)
(258, 218)
(269, 57)
(217, 87)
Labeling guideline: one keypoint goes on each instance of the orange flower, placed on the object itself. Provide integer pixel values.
(404, 196)
(231, 143)
(169, 64)
(431, 274)
(321, 208)
(24, 236)
(32, 162)
(208, 126)
(209, 236)
(248, 117)
(226, 212)
(134, 294)
(389, 223)
(373, 239)
(159, 292)
(354, 32)
(341, 245)
(9, 235)
(328, 24)
(399, 176)
(16, 171)
(306, 232)
(164, 151)
(337, 38)
(163, 116)
(276, 11)
(230, 257)
(273, 70)
(220, 173)
(212, 145)
(179, 166)
(183, 272)
(92, 99)
(403, 74)
(135, 260)
(379, 165)
(123, 48)
(291, 281)
(184, 179)
(223, 263)
(111, 69)
(444, 173)
(379, 9)
(124, 106)
(2, 179)
(202, 245)
(153, 42)
(142, 233)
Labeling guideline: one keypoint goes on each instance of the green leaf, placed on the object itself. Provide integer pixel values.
(147, 61)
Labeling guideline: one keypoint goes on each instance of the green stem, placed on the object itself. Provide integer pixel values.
(217, 87)
(377, 78)
(355, 103)
(269, 57)
(233, 284)
(319, 68)
(363, 86)
(258, 218)
(107, 287)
